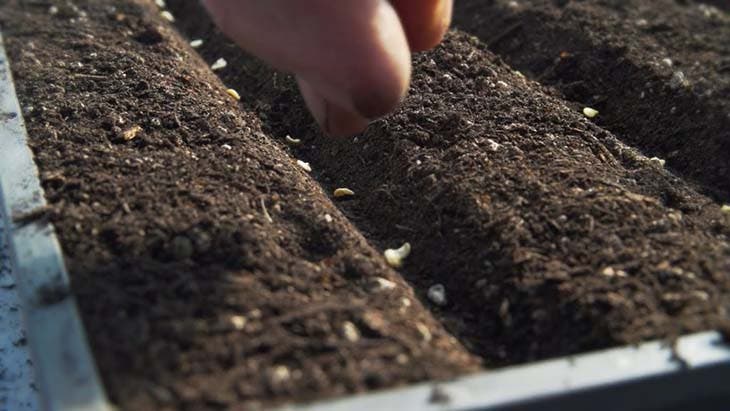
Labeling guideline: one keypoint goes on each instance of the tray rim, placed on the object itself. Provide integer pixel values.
(62, 361)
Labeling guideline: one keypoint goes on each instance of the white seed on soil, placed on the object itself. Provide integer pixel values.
(350, 332)
(702, 295)
(53, 10)
(280, 374)
(292, 141)
(238, 322)
(612, 272)
(131, 133)
(437, 294)
(424, 331)
(382, 284)
(304, 166)
(160, 3)
(590, 112)
(343, 192)
(196, 43)
(395, 257)
(659, 161)
(233, 93)
(167, 16)
(667, 62)
(226, 147)
(328, 218)
(219, 64)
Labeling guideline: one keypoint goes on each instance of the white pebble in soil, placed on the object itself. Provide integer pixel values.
(437, 294)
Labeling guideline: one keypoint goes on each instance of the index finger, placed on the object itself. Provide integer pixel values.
(424, 21)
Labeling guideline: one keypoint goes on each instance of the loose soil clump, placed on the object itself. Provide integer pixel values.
(210, 270)
(548, 235)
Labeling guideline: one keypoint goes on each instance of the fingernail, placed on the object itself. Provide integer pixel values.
(332, 119)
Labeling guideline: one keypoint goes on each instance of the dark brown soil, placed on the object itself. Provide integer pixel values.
(514, 202)
(550, 235)
(658, 71)
(192, 298)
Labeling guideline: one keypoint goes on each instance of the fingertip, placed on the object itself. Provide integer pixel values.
(334, 120)
(425, 21)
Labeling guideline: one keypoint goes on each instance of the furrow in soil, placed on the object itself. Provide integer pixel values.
(211, 271)
(548, 234)
(658, 72)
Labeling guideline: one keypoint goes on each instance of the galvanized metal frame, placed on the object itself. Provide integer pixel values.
(693, 374)
(64, 368)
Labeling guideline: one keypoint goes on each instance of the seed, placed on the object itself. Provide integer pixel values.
(437, 294)
(424, 331)
(328, 218)
(343, 192)
(196, 43)
(280, 374)
(160, 3)
(659, 161)
(131, 133)
(167, 16)
(293, 141)
(219, 64)
(227, 147)
(233, 93)
(381, 284)
(395, 257)
(590, 112)
(350, 331)
(304, 165)
(238, 322)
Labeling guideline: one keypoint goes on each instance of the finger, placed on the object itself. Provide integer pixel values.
(332, 119)
(425, 21)
(354, 54)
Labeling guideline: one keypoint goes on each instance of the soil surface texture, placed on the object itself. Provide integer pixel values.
(658, 72)
(214, 272)
(211, 271)
(549, 235)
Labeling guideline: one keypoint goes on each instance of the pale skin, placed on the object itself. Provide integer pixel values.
(351, 58)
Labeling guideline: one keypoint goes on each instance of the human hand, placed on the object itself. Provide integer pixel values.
(351, 58)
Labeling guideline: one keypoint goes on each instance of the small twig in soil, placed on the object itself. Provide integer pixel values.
(316, 309)
(39, 213)
(266, 212)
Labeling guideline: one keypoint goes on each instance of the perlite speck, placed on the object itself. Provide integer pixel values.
(437, 294)
(196, 43)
